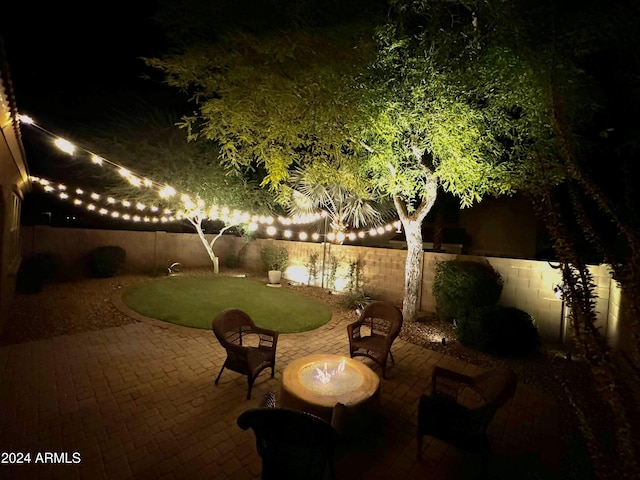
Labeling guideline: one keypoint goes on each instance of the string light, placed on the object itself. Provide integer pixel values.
(235, 216)
(60, 190)
(215, 212)
(27, 120)
(164, 191)
(65, 145)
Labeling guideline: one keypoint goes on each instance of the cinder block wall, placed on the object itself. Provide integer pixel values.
(528, 284)
(146, 251)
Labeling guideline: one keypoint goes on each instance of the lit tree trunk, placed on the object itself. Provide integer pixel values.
(208, 246)
(412, 223)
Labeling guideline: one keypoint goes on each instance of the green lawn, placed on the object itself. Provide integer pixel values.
(195, 301)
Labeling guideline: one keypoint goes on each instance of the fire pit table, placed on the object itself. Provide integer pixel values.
(316, 383)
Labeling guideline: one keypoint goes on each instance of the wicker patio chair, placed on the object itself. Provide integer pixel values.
(384, 322)
(291, 443)
(460, 407)
(230, 327)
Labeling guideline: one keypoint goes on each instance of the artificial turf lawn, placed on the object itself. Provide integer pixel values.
(195, 301)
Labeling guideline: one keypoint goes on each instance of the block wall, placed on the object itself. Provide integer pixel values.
(528, 284)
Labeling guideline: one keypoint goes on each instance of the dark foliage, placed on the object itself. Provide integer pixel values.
(460, 286)
(499, 330)
(105, 261)
(232, 260)
(34, 272)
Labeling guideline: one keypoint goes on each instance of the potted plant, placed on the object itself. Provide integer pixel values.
(275, 260)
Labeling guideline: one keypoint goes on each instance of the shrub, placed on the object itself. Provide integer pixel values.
(312, 267)
(499, 330)
(274, 258)
(34, 272)
(354, 299)
(232, 260)
(460, 286)
(105, 261)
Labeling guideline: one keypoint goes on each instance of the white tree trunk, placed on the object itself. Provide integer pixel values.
(209, 249)
(413, 270)
(412, 223)
(208, 246)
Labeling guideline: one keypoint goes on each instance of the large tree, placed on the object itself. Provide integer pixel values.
(428, 100)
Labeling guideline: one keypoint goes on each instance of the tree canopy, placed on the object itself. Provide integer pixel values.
(427, 97)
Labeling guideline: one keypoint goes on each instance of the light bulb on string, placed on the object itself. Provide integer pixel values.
(168, 191)
(65, 145)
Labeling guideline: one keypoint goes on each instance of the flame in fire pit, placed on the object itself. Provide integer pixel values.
(330, 376)
(324, 376)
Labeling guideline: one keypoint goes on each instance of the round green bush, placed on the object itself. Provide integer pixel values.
(274, 258)
(460, 286)
(106, 261)
(499, 330)
(232, 260)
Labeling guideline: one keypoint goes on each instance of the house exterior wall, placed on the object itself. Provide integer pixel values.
(528, 284)
(14, 181)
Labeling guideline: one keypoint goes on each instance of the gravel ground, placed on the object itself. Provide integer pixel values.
(81, 306)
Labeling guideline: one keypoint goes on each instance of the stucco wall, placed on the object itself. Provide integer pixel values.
(528, 284)
(14, 182)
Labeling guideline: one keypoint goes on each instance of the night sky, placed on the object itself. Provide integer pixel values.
(70, 65)
(60, 55)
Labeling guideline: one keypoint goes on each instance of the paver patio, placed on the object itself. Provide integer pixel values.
(139, 401)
